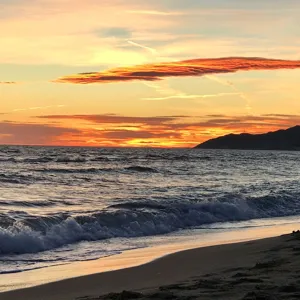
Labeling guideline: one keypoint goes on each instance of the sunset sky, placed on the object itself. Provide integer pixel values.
(161, 73)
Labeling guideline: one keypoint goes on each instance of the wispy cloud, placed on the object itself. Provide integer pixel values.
(152, 50)
(171, 93)
(186, 96)
(192, 68)
(115, 119)
(37, 108)
(154, 12)
(8, 82)
(234, 88)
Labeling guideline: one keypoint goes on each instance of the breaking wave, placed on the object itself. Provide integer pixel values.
(35, 234)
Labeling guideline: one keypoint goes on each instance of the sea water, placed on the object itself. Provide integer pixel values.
(64, 204)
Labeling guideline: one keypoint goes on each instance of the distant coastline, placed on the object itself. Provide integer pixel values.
(288, 140)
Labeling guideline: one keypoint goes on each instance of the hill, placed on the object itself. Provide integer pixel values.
(288, 139)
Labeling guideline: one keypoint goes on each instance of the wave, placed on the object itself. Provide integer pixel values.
(241, 225)
(10, 149)
(44, 159)
(141, 169)
(17, 178)
(137, 205)
(29, 160)
(97, 170)
(15, 271)
(35, 234)
(13, 264)
(74, 170)
(37, 160)
(70, 160)
(11, 159)
(77, 158)
(100, 158)
(26, 203)
(35, 203)
(14, 179)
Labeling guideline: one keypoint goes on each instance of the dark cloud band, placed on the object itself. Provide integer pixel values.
(195, 67)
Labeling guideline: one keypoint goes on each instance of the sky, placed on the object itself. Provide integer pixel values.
(136, 73)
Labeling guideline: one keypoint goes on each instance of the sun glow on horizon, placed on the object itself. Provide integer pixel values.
(146, 74)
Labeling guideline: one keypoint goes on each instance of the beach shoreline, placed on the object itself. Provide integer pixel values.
(181, 267)
(159, 247)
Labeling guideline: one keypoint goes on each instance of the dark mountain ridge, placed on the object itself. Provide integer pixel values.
(288, 139)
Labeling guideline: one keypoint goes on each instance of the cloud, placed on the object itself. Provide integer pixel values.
(181, 121)
(185, 96)
(233, 87)
(173, 124)
(240, 123)
(129, 134)
(31, 133)
(151, 50)
(8, 82)
(38, 108)
(115, 119)
(154, 12)
(195, 67)
(115, 130)
(118, 32)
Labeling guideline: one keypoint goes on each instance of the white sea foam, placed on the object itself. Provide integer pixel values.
(135, 220)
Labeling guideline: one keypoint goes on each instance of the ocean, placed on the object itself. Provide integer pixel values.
(64, 204)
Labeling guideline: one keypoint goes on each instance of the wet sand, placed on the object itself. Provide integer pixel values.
(261, 269)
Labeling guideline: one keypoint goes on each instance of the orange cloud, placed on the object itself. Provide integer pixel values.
(195, 67)
(115, 119)
(165, 131)
(31, 133)
(128, 131)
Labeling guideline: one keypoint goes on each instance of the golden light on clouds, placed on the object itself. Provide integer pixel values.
(179, 78)
(126, 131)
(186, 68)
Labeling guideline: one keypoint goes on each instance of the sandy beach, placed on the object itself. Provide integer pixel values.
(261, 269)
